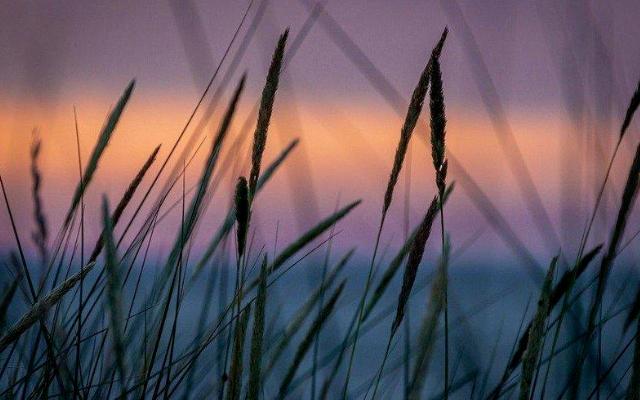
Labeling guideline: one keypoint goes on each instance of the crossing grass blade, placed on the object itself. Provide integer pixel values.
(301, 315)
(428, 328)
(227, 224)
(264, 113)
(98, 150)
(536, 335)
(114, 297)
(235, 375)
(310, 235)
(305, 345)
(562, 288)
(42, 232)
(413, 262)
(396, 263)
(411, 119)
(8, 294)
(242, 213)
(255, 363)
(46, 302)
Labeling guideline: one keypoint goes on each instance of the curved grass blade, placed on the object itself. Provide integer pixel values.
(310, 235)
(631, 110)
(304, 311)
(41, 307)
(114, 296)
(415, 257)
(51, 299)
(563, 287)
(255, 363)
(227, 224)
(411, 119)
(427, 333)
(7, 297)
(305, 345)
(235, 375)
(264, 113)
(396, 262)
(536, 335)
(101, 145)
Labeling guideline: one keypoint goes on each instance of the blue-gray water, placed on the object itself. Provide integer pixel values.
(487, 306)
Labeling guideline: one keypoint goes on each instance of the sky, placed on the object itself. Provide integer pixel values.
(535, 88)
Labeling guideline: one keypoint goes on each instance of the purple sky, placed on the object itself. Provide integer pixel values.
(49, 46)
(538, 61)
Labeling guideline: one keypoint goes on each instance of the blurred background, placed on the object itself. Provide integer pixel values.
(535, 94)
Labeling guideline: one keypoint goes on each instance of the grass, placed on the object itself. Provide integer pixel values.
(91, 329)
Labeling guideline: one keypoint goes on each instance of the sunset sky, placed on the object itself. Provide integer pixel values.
(557, 77)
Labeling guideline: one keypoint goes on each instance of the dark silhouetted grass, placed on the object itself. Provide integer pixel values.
(246, 344)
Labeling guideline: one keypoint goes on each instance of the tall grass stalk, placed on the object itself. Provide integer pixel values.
(41, 235)
(628, 199)
(230, 217)
(323, 278)
(562, 289)
(235, 374)
(264, 113)
(55, 295)
(114, 297)
(438, 133)
(411, 271)
(411, 119)
(428, 327)
(98, 150)
(633, 390)
(631, 110)
(536, 336)
(255, 363)
(95, 351)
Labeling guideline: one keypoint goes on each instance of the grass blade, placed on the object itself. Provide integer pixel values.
(631, 110)
(42, 233)
(101, 145)
(310, 235)
(242, 213)
(633, 391)
(227, 224)
(7, 297)
(394, 265)
(264, 113)
(415, 257)
(255, 374)
(411, 119)
(235, 375)
(536, 335)
(561, 289)
(114, 296)
(305, 345)
(428, 329)
(305, 311)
